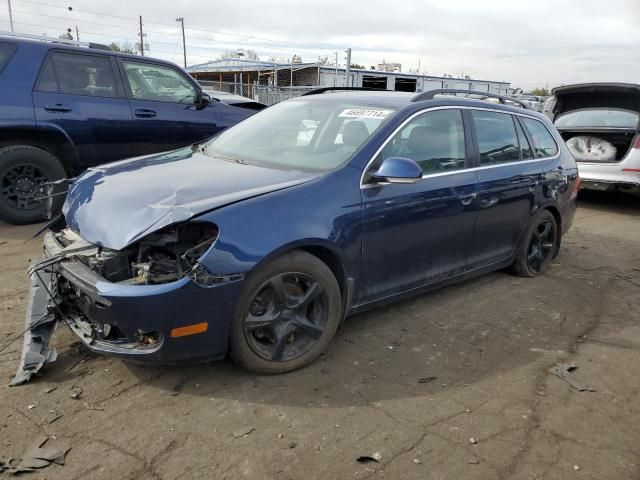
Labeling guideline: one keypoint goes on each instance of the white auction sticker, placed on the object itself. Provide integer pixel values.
(365, 113)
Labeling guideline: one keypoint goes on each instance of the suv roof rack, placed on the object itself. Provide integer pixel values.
(503, 98)
(317, 91)
(42, 38)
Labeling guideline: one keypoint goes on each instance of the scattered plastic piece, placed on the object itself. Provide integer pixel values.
(563, 371)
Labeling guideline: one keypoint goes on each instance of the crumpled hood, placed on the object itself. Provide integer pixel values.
(116, 204)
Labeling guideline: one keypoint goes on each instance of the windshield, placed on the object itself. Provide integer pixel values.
(315, 134)
(599, 118)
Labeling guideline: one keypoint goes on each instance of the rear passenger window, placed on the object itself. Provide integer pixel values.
(75, 74)
(525, 148)
(497, 138)
(434, 140)
(543, 142)
(6, 52)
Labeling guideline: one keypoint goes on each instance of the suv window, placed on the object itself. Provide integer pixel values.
(6, 51)
(497, 138)
(525, 148)
(78, 74)
(434, 140)
(543, 142)
(158, 83)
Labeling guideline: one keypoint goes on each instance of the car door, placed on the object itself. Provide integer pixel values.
(508, 185)
(164, 104)
(418, 233)
(81, 94)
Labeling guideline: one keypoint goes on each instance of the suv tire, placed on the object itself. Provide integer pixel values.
(23, 169)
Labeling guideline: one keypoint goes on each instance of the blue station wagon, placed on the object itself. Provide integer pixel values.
(259, 242)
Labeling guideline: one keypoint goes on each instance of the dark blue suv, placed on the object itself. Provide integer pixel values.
(67, 107)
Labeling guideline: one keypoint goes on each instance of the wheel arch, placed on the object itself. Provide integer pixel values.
(324, 250)
(51, 140)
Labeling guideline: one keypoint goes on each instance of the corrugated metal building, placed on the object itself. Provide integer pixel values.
(251, 72)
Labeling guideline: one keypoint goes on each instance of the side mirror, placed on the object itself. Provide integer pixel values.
(203, 99)
(398, 170)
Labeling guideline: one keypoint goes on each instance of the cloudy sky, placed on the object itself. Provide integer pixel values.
(529, 43)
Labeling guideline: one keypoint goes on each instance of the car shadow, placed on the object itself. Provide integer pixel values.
(444, 340)
(619, 202)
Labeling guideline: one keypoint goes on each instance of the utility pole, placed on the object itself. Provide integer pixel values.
(77, 34)
(10, 15)
(184, 45)
(348, 69)
(141, 38)
(335, 78)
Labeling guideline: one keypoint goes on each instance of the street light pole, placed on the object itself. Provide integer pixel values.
(141, 38)
(184, 45)
(10, 15)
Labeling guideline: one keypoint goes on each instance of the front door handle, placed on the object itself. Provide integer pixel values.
(144, 113)
(58, 107)
(467, 199)
(488, 202)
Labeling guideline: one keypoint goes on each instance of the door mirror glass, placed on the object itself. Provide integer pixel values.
(398, 170)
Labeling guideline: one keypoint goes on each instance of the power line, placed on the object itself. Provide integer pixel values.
(209, 32)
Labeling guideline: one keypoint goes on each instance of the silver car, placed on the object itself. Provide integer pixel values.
(599, 122)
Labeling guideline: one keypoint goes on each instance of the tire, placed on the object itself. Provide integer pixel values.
(537, 249)
(263, 316)
(23, 169)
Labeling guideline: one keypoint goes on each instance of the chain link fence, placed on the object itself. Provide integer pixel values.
(267, 94)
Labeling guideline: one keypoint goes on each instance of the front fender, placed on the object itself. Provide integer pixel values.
(324, 213)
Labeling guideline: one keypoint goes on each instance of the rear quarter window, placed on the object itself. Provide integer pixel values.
(543, 143)
(6, 52)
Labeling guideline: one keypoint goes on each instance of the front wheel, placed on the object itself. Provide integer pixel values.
(538, 246)
(287, 314)
(23, 170)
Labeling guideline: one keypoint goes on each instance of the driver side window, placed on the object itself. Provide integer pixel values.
(434, 140)
(158, 83)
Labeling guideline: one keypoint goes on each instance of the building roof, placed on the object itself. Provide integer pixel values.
(241, 64)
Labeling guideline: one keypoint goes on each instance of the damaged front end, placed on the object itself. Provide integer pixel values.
(75, 281)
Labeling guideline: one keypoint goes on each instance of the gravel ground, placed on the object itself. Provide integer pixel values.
(453, 384)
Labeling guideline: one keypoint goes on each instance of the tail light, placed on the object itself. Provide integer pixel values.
(576, 187)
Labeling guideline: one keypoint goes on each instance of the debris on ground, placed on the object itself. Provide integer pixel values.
(40, 325)
(244, 432)
(50, 389)
(576, 468)
(427, 379)
(293, 445)
(76, 392)
(37, 456)
(417, 461)
(564, 370)
(375, 457)
(473, 441)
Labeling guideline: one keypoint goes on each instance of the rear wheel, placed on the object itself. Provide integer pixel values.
(23, 170)
(287, 314)
(538, 246)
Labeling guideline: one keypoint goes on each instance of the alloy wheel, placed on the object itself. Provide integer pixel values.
(286, 317)
(21, 186)
(541, 245)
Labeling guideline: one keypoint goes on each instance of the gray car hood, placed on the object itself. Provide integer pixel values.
(117, 204)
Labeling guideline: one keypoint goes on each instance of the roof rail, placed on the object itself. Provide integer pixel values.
(42, 38)
(503, 98)
(317, 91)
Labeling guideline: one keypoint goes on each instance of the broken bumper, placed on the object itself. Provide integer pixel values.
(136, 321)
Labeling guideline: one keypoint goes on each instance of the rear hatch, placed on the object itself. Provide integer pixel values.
(602, 115)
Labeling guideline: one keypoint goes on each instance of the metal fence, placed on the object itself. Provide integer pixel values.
(267, 94)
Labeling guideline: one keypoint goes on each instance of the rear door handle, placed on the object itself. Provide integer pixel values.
(144, 113)
(467, 199)
(58, 107)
